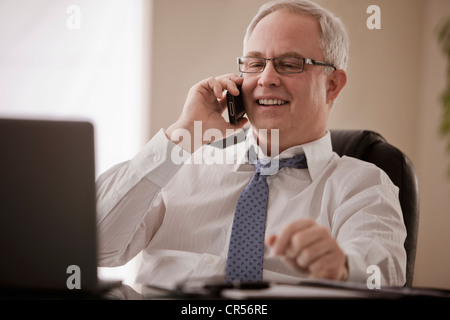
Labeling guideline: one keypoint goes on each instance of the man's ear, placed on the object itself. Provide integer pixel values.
(336, 81)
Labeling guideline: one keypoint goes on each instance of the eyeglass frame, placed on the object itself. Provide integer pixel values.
(305, 61)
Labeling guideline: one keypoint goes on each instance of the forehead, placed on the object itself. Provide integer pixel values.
(283, 31)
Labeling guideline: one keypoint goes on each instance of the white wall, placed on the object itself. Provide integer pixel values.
(395, 76)
(50, 68)
(78, 60)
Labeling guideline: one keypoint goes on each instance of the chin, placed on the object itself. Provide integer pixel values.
(268, 124)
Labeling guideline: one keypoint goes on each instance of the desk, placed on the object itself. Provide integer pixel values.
(285, 301)
(306, 290)
(278, 301)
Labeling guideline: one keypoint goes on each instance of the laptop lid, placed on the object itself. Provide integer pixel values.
(47, 205)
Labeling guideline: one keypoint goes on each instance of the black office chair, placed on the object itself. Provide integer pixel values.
(372, 147)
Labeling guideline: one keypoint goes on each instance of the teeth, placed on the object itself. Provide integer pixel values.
(269, 102)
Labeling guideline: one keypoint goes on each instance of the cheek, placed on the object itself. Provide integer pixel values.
(248, 84)
(316, 93)
(247, 90)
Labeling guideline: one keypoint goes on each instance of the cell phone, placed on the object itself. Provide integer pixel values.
(236, 108)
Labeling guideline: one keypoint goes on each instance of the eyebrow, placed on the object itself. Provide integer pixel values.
(285, 54)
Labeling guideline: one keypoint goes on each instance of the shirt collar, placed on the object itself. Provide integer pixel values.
(318, 152)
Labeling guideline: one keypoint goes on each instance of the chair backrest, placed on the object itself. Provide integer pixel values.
(372, 147)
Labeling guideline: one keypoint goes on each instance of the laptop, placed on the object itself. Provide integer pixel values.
(48, 240)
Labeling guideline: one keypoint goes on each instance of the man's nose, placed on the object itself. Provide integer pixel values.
(269, 77)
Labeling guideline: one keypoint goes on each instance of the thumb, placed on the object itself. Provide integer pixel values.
(270, 241)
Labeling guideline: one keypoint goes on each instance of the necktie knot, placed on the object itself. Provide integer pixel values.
(267, 166)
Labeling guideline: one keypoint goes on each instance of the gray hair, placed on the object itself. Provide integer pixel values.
(334, 41)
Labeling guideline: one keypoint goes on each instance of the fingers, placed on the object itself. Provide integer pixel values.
(305, 254)
(226, 82)
(306, 246)
(333, 265)
(218, 85)
(284, 239)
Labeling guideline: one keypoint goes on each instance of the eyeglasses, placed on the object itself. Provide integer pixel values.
(283, 65)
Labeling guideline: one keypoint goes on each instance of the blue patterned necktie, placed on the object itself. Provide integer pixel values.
(246, 248)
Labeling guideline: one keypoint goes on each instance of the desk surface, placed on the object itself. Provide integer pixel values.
(320, 290)
(309, 290)
(275, 302)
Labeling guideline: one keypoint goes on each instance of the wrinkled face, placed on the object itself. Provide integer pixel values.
(296, 104)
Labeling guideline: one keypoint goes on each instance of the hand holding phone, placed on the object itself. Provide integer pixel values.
(235, 105)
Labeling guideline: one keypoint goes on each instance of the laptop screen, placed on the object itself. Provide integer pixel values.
(47, 204)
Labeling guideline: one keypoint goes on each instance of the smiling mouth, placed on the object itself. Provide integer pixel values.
(271, 102)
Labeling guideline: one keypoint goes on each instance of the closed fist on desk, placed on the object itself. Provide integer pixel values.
(306, 245)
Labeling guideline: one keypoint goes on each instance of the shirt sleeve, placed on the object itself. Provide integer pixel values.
(370, 226)
(130, 208)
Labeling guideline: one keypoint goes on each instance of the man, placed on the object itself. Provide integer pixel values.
(331, 220)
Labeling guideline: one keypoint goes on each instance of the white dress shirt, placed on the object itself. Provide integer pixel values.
(180, 215)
